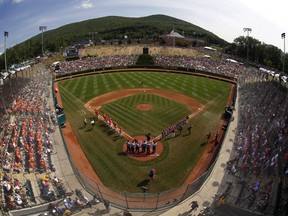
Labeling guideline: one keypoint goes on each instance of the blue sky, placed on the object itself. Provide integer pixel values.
(225, 18)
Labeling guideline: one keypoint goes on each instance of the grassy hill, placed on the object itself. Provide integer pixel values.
(107, 28)
(115, 27)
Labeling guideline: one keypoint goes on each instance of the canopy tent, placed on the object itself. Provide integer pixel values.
(209, 48)
(174, 35)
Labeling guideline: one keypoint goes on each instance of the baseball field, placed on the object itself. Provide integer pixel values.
(170, 98)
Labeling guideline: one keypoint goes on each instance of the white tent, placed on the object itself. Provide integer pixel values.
(55, 63)
(232, 60)
(175, 34)
(209, 48)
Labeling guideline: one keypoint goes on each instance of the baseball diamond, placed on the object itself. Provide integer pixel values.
(170, 103)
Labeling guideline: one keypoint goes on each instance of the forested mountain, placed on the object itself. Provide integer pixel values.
(106, 28)
(114, 27)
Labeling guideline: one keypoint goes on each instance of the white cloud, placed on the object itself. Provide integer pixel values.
(17, 1)
(85, 4)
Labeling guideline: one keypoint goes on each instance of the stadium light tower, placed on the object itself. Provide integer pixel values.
(92, 34)
(248, 30)
(42, 29)
(283, 37)
(5, 36)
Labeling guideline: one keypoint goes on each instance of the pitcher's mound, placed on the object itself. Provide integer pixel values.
(141, 156)
(144, 107)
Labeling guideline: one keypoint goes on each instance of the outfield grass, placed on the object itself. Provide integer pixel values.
(104, 148)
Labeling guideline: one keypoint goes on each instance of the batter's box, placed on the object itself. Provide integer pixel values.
(81, 112)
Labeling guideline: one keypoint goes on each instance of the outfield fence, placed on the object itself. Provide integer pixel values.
(144, 201)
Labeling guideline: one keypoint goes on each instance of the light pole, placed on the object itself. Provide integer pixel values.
(248, 30)
(5, 36)
(283, 37)
(42, 29)
(92, 34)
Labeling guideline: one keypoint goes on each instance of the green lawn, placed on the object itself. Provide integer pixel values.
(136, 122)
(104, 148)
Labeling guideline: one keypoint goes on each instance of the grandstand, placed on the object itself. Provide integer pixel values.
(32, 153)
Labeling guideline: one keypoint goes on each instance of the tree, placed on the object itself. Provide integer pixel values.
(145, 60)
(258, 52)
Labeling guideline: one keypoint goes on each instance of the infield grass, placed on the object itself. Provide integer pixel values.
(103, 147)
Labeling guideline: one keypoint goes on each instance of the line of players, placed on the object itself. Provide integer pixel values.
(109, 122)
(135, 146)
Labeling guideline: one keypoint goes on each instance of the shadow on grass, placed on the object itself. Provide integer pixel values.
(80, 128)
(110, 132)
(203, 144)
(90, 129)
(143, 183)
(85, 129)
(106, 129)
(186, 134)
(117, 137)
(122, 154)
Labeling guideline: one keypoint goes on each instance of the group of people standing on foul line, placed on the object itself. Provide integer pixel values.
(108, 121)
(136, 146)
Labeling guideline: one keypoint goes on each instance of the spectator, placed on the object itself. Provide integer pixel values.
(194, 205)
(106, 204)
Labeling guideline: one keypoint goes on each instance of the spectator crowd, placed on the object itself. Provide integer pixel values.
(27, 121)
(260, 155)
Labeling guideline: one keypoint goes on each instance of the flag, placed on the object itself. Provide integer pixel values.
(171, 33)
(6, 34)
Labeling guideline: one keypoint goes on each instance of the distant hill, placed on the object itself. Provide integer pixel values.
(107, 28)
(115, 27)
